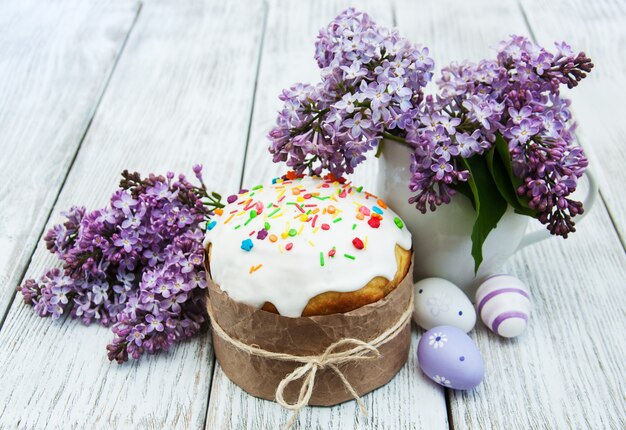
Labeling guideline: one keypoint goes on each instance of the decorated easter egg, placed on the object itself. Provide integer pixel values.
(449, 357)
(440, 302)
(503, 303)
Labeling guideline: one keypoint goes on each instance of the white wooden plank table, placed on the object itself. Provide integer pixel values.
(90, 88)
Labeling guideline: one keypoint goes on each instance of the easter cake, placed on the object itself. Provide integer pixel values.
(306, 268)
(307, 247)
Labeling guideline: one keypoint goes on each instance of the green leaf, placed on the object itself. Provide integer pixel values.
(504, 183)
(499, 163)
(488, 202)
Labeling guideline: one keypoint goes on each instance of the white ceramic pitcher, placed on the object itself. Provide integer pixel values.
(442, 239)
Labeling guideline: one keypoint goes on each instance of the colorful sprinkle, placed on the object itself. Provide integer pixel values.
(229, 218)
(292, 232)
(325, 226)
(218, 211)
(313, 222)
(304, 217)
(289, 246)
(378, 210)
(262, 234)
(351, 257)
(332, 252)
(273, 212)
(358, 243)
(398, 222)
(321, 259)
(364, 210)
(211, 225)
(232, 199)
(267, 226)
(382, 204)
(374, 222)
(331, 209)
(353, 226)
(337, 220)
(255, 268)
(360, 216)
(247, 245)
(273, 238)
(258, 187)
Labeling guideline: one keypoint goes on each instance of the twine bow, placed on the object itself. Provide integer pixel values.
(333, 356)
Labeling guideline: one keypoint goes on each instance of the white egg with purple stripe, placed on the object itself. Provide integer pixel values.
(503, 303)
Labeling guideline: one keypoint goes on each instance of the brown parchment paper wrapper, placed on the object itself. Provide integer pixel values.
(260, 376)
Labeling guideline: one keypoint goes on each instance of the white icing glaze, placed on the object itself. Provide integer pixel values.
(289, 279)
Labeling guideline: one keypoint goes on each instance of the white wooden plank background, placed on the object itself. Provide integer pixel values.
(163, 110)
(164, 107)
(54, 63)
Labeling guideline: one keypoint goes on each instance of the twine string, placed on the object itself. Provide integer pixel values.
(333, 356)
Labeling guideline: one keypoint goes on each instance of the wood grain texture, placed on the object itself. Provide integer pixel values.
(181, 93)
(409, 401)
(567, 370)
(55, 59)
(599, 29)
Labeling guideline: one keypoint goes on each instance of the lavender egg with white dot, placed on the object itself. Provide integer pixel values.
(440, 302)
(449, 357)
(504, 305)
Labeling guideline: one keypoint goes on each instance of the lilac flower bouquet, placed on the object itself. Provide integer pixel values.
(372, 82)
(136, 265)
(497, 131)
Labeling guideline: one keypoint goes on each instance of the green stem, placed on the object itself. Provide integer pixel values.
(395, 138)
(308, 124)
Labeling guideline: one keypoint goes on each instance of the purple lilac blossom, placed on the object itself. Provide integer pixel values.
(371, 82)
(517, 96)
(136, 265)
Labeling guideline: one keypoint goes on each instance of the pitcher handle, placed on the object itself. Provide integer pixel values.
(588, 202)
